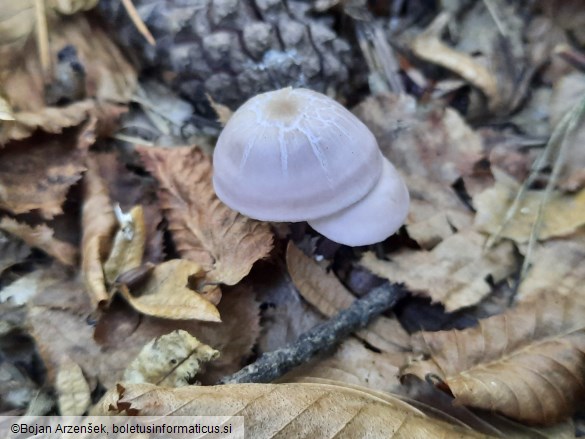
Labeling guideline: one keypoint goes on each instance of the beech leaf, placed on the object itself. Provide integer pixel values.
(225, 243)
(38, 172)
(285, 410)
(527, 363)
(454, 273)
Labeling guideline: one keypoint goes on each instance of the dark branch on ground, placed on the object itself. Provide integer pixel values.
(324, 337)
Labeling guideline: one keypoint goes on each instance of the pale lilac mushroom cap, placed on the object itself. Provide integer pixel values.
(297, 155)
(294, 155)
(373, 218)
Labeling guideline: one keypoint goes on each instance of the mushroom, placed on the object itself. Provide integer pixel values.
(298, 155)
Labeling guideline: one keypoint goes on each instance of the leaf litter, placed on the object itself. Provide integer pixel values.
(121, 264)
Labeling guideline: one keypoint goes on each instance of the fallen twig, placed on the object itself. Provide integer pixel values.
(273, 365)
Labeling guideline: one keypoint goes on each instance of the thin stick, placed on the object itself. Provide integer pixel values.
(135, 17)
(43, 38)
(576, 113)
(543, 160)
(322, 338)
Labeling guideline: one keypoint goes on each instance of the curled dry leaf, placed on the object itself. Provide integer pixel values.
(50, 120)
(166, 294)
(325, 292)
(563, 214)
(38, 172)
(171, 360)
(74, 395)
(99, 224)
(41, 237)
(437, 145)
(429, 47)
(527, 363)
(225, 243)
(285, 410)
(455, 273)
(128, 244)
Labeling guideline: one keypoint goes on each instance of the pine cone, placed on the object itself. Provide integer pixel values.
(234, 49)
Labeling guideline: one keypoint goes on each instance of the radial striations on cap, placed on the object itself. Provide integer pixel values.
(294, 155)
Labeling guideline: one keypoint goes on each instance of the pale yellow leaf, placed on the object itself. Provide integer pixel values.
(563, 213)
(166, 294)
(74, 395)
(171, 360)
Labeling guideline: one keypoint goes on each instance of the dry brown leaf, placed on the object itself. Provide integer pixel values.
(352, 363)
(455, 273)
(225, 243)
(99, 224)
(527, 363)
(285, 410)
(38, 172)
(563, 215)
(436, 145)
(41, 237)
(166, 294)
(51, 120)
(128, 244)
(557, 269)
(171, 360)
(325, 292)
(12, 251)
(74, 395)
(108, 74)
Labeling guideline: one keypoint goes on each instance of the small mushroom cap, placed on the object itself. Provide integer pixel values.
(373, 218)
(294, 155)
